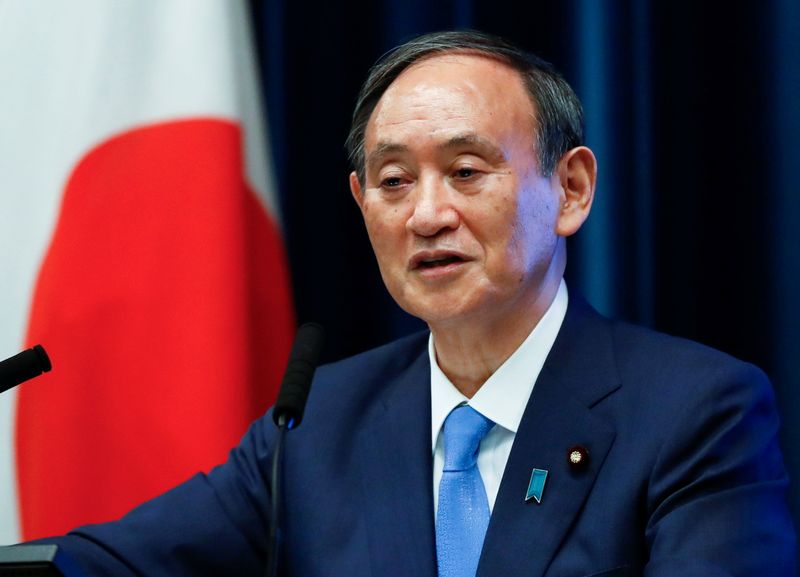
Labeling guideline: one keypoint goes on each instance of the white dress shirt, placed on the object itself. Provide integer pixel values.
(502, 398)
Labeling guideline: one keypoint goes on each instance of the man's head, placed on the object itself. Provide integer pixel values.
(559, 116)
(467, 223)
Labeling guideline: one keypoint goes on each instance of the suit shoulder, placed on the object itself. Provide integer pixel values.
(659, 354)
(667, 375)
(387, 359)
(644, 358)
(359, 379)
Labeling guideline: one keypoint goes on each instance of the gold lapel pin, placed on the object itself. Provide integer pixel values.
(578, 457)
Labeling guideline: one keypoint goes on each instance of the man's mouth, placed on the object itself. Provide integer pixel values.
(432, 263)
(435, 259)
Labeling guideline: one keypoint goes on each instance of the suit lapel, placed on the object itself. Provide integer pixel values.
(524, 536)
(396, 475)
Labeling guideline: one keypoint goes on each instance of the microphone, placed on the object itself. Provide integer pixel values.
(288, 414)
(296, 383)
(23, 366)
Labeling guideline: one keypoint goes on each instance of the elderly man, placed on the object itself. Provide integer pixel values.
(524, 434)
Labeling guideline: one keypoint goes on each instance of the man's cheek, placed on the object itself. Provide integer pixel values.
(380, 232)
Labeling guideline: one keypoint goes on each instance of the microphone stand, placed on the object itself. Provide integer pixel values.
(275, 495)
(288, 414)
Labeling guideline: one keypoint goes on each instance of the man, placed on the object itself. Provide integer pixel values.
(602, 449)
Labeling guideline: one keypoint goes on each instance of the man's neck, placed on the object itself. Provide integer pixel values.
(469, 352)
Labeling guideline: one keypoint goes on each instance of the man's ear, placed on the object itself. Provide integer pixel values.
(577, 175)
(355, 190)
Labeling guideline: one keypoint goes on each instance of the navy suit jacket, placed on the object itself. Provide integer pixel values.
(684, 476)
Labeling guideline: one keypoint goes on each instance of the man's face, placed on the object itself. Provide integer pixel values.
(461, 221)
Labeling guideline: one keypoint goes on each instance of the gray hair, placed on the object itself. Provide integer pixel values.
(559, 117)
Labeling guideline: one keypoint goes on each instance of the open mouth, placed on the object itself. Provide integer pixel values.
(438, 262)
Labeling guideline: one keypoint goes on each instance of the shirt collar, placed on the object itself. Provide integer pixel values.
(504, 396)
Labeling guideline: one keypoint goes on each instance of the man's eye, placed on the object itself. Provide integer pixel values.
(464, 172)
(391, 182)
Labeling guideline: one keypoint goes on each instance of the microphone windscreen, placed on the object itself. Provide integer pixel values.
(23, 366)
(299, 374)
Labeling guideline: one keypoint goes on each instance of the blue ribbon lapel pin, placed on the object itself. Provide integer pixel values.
(536, 485)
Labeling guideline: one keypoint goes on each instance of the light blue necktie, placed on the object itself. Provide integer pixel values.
(463, 514)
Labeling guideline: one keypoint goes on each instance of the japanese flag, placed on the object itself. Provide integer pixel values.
(140, 245)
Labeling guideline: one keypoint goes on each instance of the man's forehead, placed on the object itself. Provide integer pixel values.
(451, 68)
(481, 73)
(464, 98)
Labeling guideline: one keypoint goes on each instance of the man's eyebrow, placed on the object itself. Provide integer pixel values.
(471, 140)
(467, 140)
(382, 150)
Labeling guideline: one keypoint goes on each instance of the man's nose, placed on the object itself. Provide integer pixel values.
(434, 210)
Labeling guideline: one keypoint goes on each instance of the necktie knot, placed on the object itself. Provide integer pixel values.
(464, 429)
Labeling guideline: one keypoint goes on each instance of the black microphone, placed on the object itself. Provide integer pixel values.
(287, 414)
(299, 373)
(23, 366)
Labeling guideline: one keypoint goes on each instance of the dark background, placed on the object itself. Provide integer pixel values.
(693, 112)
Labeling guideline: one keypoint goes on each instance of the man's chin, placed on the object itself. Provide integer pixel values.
(440, 311)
